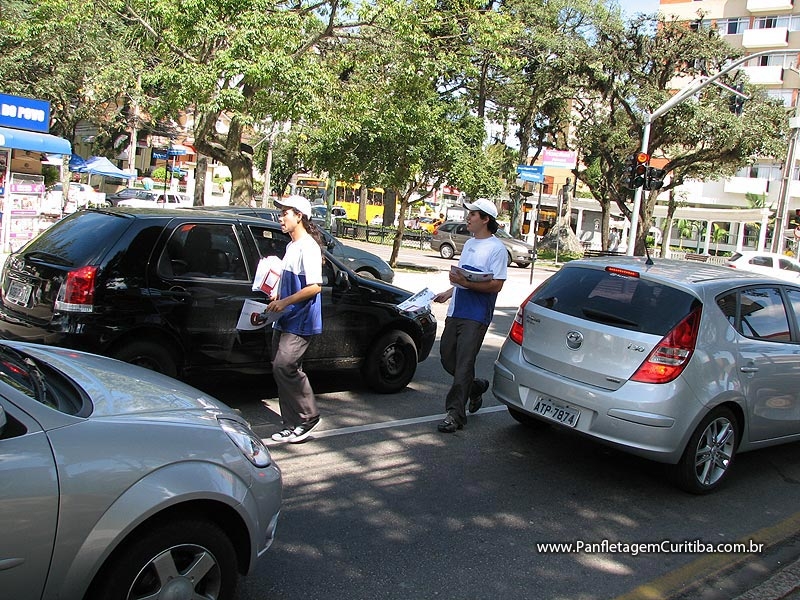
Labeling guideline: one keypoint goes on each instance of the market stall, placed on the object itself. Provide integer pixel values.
(24, 143)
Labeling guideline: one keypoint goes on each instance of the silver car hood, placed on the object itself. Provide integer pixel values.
(119, 388)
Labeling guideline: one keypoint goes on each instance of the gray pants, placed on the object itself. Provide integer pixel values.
(295, 396)
(458, 348)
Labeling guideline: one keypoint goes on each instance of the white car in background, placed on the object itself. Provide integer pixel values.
(766, 263)
(81, 195)
(158, 199)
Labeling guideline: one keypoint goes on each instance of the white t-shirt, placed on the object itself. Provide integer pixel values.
(487, 255)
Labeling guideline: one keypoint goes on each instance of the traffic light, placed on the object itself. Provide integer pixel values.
(654, 178)
(635, 170)
(737, 100)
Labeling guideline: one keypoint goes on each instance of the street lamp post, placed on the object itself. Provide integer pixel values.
(677, 99)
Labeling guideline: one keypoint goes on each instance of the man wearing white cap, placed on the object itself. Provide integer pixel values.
(470, 313)
(297, 299)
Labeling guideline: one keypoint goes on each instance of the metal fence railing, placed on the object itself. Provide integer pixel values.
(377, 234)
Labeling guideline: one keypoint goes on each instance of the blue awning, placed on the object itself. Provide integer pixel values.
(33, 141)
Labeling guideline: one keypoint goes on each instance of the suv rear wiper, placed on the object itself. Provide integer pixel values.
(599, 315)
(46, 256)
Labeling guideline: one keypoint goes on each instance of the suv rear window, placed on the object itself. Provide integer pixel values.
(81, 238)
(626, 302)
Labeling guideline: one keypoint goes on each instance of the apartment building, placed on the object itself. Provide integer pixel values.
(754, 25)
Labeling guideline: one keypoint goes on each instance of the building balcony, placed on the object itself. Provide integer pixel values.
(772, 75)
(768, 6)
(777, 37)
(746, 185)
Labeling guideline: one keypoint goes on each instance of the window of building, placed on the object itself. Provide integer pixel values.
(791, 22)
(733, 25)
(785, 60)
(769, 172)
(785, 96)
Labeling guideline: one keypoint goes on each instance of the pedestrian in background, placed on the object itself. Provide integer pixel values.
(297, 300)
(470, 312)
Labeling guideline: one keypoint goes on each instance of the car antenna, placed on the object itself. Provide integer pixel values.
(649, 260)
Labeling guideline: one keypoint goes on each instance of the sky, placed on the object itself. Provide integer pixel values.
(633, 7)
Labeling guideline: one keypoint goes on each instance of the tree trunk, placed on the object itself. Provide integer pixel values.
(200, 180)
(362, 203)
(401, 227)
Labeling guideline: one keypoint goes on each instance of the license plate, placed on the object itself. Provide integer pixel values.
(559, 413)
(19, 293)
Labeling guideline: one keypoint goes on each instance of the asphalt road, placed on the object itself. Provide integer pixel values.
(380, 505)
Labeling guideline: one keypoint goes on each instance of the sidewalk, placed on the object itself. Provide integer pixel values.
(783, 584)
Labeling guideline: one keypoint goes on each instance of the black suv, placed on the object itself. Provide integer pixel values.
(362, 262)
(165, 289)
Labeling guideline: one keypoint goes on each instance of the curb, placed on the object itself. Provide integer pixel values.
(784, 584)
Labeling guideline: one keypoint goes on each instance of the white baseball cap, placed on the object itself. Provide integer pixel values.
(299, 203)
(484, 205)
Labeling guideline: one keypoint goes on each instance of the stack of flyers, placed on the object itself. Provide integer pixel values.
(268, 274)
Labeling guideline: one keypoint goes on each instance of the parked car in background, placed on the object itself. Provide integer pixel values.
(128, 194)
(766, 263)
(166, 289)
(448, 240)
(679, 362)
(319, 213)
(157, 199)
(81, 195)
(427, 223)
(362, 262)
(119, 482)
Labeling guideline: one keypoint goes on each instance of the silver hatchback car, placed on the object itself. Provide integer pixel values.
(448, 239)
(677, 362)
(117, 482)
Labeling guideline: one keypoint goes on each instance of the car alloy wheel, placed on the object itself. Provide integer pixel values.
(709, 455)
(182, 560)
(446, 251)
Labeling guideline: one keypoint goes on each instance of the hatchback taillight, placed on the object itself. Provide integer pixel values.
(77, 291)
(517, 329)
(672, 354)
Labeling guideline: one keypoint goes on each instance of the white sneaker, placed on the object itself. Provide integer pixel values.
(283, 436)
(301, 432)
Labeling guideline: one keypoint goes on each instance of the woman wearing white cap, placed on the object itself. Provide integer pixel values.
(470, 313)
(298, 300)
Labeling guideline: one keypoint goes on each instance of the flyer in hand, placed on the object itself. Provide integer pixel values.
(268, 274)
(254, 315)
(472, 275)
(418, 301)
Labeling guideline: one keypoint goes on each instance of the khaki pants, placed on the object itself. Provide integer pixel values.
(461, 341)
(295, 396)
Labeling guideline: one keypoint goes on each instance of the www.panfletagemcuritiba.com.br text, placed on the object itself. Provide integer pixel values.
(663, 547)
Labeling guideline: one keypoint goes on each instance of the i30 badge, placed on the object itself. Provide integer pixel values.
(574, 339)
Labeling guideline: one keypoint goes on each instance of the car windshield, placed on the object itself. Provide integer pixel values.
(502, 233)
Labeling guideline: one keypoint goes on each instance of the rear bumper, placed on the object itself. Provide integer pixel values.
(651, 421)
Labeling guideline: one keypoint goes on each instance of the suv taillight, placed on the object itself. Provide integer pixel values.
(77, 291)
(672, 354)
(517, 329)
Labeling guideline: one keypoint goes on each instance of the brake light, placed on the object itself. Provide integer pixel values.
(77, 291)
(517, 329)
(670, 357)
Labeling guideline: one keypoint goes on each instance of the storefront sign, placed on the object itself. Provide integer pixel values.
(24, 113)
(559, 158)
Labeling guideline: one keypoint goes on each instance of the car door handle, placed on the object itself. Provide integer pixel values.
(179, 294)
(749, 369)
